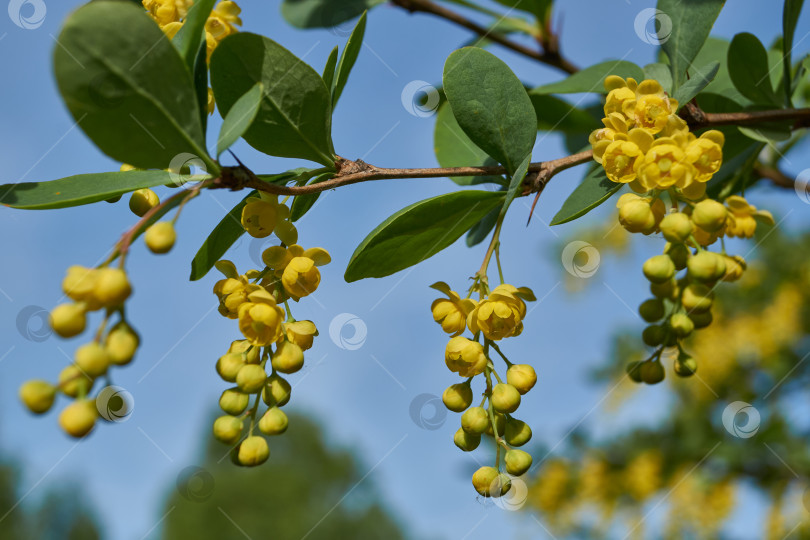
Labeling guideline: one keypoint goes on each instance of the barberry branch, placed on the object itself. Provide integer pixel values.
(774, 175)
(353, 172)
(550, 55)
(698, 118)
(236, 178)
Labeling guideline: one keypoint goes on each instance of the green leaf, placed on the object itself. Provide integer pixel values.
(515, 183)
(790, 17)
(592, 79)
(348, 58)
(295, 116)
(191, 35)
(419, 231)
(323, 13)
(200, 79)
(691, 22)
(303, 203)
(555, 114)
(595, 189)
(239, 118)
(479, 232)
(126, 86)
(83, 189)
(454, 149)
(660, 72)
(698, 81)
(227, 231)
(716, 50)
(329, 69)
(748, 68)
(491, 105)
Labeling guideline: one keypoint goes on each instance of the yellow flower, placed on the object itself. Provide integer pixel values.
(233, 291)
(640, 214)
(465, 357)
(259, 216)
(301, 277)
(501, 314)
(451, 312)
(79, 285)
(260, 319)
(278, 257)
(619, 92)
(651, 108)
(620, 159)
(171, 29)
(615, 130)
(664, 166)
(228, 12)
(167, 11)
(218, 28)
(211, 101)
(742, 217)
(302, 333)
(706, 154)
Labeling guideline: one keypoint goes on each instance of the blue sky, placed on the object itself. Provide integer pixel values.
(363, 395)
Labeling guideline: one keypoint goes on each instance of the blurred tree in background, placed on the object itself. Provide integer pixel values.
(687, 472)
(308, 490)
(62, 514)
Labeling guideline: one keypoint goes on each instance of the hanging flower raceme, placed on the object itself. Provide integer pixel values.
(646, 145)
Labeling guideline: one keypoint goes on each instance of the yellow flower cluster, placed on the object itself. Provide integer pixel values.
(90, 289)
(222, 22)
(259, 300)
(171, 14)
(646, 144)
(495, 316)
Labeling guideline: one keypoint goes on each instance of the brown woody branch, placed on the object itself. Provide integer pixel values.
(353, 172)
(697, 118)
(550, 55)
(773, 174)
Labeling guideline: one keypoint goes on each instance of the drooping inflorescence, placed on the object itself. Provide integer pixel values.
(498, 314)
(273, 341)
(646, 145)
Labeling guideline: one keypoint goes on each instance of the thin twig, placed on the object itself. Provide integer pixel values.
(550, 56)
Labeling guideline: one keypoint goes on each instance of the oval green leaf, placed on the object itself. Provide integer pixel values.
(347, 59)
(83, 189)
(295, 116)
(129, 91)
(699, 80)
(418, 232)
(491, 105)
(595, 189)
(323, 13)
(748, 68)
(454, 149)
(239, 118)
(227, 231)
(683, 28)
(592, 79)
